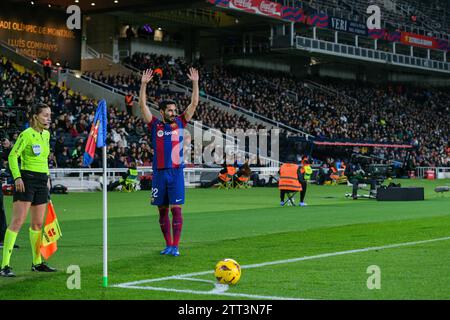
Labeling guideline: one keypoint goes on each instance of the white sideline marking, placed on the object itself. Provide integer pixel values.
(220, 290)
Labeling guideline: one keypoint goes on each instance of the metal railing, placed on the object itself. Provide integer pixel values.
(289, 93)
(92, 52)
(136, 70)
(85, 179)
(439, 172)
(329, 90)
(358, 14)
(343, 50)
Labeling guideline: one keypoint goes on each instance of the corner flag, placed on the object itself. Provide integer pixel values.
(97, 139)
(97, 135)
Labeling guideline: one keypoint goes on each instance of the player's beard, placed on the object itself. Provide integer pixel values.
(169, 119)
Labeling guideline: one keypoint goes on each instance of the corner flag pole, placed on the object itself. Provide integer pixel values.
(97, 139)
(105, 221)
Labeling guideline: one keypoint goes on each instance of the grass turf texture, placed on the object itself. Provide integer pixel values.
(250, 227)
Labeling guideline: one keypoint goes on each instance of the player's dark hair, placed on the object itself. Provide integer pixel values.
(163, 104)
(35, 110)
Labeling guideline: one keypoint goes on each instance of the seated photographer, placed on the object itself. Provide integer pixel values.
(128, 179)
(356, 175)
(226, 175)
(243, 175)
(322, 175)
(333, 172)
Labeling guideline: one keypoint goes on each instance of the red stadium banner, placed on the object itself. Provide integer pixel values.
(418, 40)
(263, 7)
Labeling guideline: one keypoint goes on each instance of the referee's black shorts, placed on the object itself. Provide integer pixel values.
(36, 190)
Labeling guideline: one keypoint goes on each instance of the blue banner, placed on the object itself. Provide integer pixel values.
(345, 25)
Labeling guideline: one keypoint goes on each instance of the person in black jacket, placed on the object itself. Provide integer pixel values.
(3, 224)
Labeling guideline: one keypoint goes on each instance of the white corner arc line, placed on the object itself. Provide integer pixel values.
(134, 284)
(242, 295)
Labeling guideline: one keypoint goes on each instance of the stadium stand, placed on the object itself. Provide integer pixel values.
(208, 114)
(381, 113)
(72, 113)
(358, 112)
(338, 110)
(424, 17)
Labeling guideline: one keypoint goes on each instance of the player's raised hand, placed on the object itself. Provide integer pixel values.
(193, 74)
(147, 75)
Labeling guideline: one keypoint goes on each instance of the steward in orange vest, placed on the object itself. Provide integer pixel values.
(243, 174)
(47, 68)
(289, 177)
(334, 172)
(227, 173)
(129, 99)
(47, 62)
(289, 182)
(129, 103)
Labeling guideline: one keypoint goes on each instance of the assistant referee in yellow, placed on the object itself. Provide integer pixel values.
(31, 187)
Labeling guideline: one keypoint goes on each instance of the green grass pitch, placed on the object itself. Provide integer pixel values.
(250, 227)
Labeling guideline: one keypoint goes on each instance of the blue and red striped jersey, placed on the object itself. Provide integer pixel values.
(167, 142)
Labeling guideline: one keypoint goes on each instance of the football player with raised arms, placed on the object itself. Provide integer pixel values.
(167, 143)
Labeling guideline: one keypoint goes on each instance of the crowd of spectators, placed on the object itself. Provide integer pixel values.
(351, 111)
(209, 115)
(128, 137)
(72, 115)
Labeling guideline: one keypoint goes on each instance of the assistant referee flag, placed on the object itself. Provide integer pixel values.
(51, 233)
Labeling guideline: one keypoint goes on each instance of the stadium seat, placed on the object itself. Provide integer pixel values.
(341, 180)
(129, 186)
(290, 198)
(225, 184)
(242, 182)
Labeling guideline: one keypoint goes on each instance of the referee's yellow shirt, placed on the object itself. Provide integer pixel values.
(33, 149)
